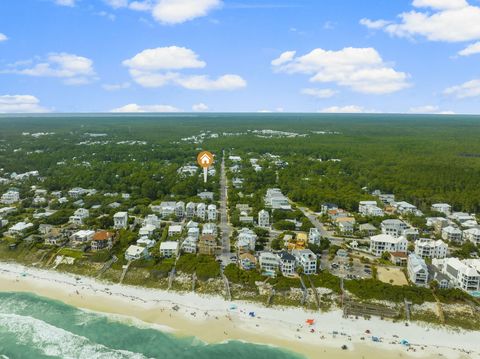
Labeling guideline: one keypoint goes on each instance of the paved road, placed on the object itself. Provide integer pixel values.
(225, 227)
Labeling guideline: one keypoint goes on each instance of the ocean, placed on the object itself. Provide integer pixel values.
(36, 327)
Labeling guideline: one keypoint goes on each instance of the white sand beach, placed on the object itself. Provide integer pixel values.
(213, 320)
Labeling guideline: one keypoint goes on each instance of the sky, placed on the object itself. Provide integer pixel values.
(402, 56)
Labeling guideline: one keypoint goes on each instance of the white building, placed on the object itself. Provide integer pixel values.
(451, 233)
(135, 252)
(82, 236)
(462, 217)
(306, 259)
(472, 235)
(387, 243)
(246, 240)
(201, 211)
(263, 219)
(194, 232)
(430, 248)
(169, 249)
(19, 228)
(77, 192)
(287, 263)
(276, 200)
(464, 274)
(189, 245)
(269, 262)
(209, 229)
(405, 208)
(417, 270)
(190, 210)
(166, 208)
(152, 220)
(212, 212)
(174, 229)
(10, 197)
(78, 216)
(393, 227)
(120, 220)
(147, 230)
(314, 236)
(442, 208)
(180, 209)
(146, 242)
(370, 208)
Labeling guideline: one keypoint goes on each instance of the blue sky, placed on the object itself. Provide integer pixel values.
(411, 56)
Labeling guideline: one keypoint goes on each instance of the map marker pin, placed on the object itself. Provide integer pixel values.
(205, 160)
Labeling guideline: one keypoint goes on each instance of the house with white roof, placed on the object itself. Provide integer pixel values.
(174, 230)
(386, 243)
(471, 223)
(189, 245)
(190, 210)
(464, 274)
(472, 235)
(314, 236)
(78, 216)
(276, 200)
(82, 236)
(263, 219)
(77, 192)
(393, 227)
(212, 212)
(462, 216)
(193, 232)
(10, 197)
(147, 230)
(18, 228)
(180, 209)
(201, 211)
(405, 208)
(430, 248)
(370, 208)
(120, 220)
(134, 252)
(169, 249)
(166, 208)
(246, 240)
(206, 195)
(306, 259)
(444, 208)
(452, 233)
(152, 220)
(417, 270)
(145, 242)
(269, 262)
(209, 229)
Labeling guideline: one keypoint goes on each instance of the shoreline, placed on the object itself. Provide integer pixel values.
(215, 320)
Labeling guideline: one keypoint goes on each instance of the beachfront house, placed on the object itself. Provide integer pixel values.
(464, 274)
(430, 248)
(269, 263)
(387, 243)
(417, 270)
(247, 261)
(102, 240)
(82, 236)
(189, 245)
(287, 263)
(19, 228)
(134, 252)
(306, 259)
(169, 249)
(207, 244)
(120, 220)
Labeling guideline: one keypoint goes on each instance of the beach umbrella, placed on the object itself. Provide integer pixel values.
(404, 342)
(310, 321)
(252, 314)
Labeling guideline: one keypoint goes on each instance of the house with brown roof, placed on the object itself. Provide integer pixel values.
(102, 240)
(399, 258)
(208, 245)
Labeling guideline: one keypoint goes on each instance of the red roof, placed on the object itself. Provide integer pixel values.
(102, 236)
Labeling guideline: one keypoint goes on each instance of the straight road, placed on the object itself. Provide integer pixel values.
(225, 226)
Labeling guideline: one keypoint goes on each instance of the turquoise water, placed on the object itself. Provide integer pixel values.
(37, 327)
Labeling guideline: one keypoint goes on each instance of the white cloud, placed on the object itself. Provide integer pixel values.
(3, 37)
(155, 68)
(74, 69)
(164, 58)
(115, 87)
(465, 90)
(346, 109)
(133, 107)
(201, 82)
(20, 104)
(429, 109)
(199, 107)
(443, 20)
(70, 3)
(319, 93)
(470, 49)
(360, 69)
(169, 12)
(377, 24)
(179, 11)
